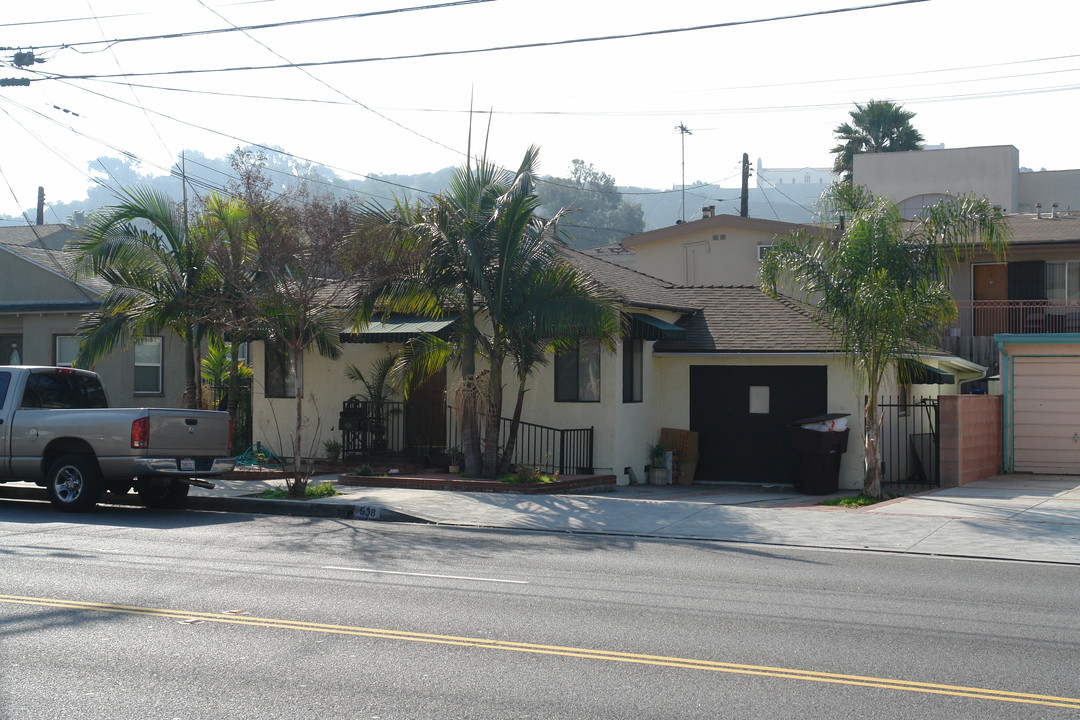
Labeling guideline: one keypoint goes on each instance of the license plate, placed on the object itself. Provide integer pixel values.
(187, 464)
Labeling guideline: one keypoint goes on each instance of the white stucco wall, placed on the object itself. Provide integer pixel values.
(1049, 187)
(990, 171)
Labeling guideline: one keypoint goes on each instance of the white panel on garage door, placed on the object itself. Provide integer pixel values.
(1046, 415)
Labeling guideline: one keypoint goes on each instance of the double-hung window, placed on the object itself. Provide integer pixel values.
(148, 366)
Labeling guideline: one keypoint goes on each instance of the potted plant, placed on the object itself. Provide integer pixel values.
(455, 456)
(658, 470)
(333, 449)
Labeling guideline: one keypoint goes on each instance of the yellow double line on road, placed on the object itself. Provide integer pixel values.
(583, 653)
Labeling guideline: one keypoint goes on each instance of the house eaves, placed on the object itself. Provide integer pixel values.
(37, 308)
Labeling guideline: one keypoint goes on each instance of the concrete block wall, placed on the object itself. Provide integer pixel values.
(970, 437)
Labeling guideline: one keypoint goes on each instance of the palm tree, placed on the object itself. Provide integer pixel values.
(156, 269)
(877, 126)
(882, 288)
(492, 261)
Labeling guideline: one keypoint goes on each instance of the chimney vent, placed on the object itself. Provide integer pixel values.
(1038, 210)
(708, 211)
(1053, 211)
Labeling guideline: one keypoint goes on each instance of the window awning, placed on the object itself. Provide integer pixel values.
(647, 327)
(918, 373)
(399, 328)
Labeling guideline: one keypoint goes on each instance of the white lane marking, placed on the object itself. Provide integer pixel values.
(430, 575)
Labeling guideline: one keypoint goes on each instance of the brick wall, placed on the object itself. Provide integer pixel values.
(970, 438)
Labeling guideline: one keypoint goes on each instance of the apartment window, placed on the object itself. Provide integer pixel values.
(1063, 280)
(633, 360)
(67, 347)
(577, 373)
(279, 378)
(148, 366)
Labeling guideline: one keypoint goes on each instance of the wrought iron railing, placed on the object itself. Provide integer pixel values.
(241, 424)
(415, 428)
(982, 318)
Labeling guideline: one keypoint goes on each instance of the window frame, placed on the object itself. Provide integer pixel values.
(633, 350)
(583, 354)
(279, 376)
(148, 341)
(56, 350)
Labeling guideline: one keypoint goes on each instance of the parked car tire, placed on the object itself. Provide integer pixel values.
(74, 483)
(163, 493)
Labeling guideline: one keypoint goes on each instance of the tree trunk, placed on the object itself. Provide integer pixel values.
(298, 483)
(494, 416)
(511, 438)
(190, 401)
(872, 447)
(470, 432)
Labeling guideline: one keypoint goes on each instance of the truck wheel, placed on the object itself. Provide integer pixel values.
(163, 494)
(74, 483)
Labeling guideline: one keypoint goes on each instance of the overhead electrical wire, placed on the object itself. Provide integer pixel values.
(502, 48)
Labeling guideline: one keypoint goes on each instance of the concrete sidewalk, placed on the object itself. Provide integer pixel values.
(1015, 517)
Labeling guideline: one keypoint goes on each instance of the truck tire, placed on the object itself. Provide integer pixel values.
(163, 494)
(74, 483)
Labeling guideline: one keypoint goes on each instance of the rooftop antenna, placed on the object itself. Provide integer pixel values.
(684, 131)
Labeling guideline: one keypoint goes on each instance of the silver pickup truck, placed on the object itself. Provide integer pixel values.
(57, 430)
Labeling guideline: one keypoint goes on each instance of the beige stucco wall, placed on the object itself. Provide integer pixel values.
(721, 256)
(990, 171)
(1049, 187)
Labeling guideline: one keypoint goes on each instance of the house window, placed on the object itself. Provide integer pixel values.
(279, 378)
(577, 373)
(148, 366)
(633, 357)
(1063, 280)
(67, 347)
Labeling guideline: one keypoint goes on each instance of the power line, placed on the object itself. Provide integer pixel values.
(246, 28)
(501, 48)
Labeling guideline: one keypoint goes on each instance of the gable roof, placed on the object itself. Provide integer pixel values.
(57, 262)
(636, 288)
(43, 236)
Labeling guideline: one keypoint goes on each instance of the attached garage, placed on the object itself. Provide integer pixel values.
(1040, 378)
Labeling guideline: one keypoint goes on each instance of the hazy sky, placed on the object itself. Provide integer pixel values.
(976, 72)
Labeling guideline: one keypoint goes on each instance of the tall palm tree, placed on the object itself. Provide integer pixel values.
(141, 246)
(489, 259)
(882, 288)
(877, 126)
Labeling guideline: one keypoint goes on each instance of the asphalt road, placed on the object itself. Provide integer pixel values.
(130, 613)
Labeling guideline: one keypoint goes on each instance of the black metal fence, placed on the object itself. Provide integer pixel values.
(415, 429)
(910, 444)
(241, 427)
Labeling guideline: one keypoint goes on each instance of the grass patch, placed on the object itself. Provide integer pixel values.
(855, 501)
(313, 492)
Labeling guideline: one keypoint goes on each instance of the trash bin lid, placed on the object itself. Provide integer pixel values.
(820, 419)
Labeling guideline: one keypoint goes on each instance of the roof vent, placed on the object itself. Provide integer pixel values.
(1038, 210)
(708, 211)
(1053, 211)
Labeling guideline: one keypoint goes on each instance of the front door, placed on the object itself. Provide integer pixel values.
(742, 412)
(426, 413)
(11, 350)
(990, 290)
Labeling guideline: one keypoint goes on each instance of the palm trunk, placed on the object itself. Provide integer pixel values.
(511, 438)
(871, 447)
(470, 432)
(494, 416)
(190, 401)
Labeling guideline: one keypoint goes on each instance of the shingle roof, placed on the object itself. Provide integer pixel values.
(1033, 230)
(776, 227)
(636, 288)
(48, 236)
(56, 261)
(742, 319)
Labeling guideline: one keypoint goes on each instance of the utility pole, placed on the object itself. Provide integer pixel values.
(744, 206)
(681, 127)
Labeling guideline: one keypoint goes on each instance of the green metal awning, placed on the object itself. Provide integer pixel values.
(647, 327)
(399, 328)
(917, 373)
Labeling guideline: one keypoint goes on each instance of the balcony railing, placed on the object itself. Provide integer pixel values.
(984, 318)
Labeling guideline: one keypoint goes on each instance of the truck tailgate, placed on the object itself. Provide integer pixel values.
(188, 433)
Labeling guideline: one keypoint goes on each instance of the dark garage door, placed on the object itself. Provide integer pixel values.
(742, 412)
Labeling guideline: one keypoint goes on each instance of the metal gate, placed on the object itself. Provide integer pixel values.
(910, 444)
